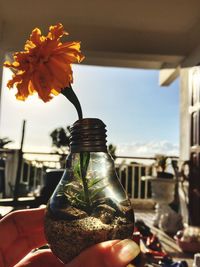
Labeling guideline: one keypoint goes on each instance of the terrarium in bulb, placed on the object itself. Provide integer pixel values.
(89, 205)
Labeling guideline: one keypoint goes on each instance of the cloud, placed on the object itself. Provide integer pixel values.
(148, 149)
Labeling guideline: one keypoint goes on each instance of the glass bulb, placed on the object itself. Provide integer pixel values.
(89, 205)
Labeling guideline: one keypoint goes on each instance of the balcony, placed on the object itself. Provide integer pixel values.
(42, 170)
(35, 165)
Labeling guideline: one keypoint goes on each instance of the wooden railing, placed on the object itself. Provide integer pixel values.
(34, 166)
(130, 176)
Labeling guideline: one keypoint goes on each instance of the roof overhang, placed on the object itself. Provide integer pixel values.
(136, 34)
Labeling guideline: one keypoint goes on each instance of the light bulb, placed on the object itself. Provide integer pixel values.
(89, 205)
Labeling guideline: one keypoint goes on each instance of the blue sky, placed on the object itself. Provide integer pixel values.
(141, 117)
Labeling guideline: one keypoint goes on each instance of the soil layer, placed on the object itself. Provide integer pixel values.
(69, 237)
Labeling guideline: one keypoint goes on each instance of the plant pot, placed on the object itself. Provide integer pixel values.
(163, 191)
(165, 175)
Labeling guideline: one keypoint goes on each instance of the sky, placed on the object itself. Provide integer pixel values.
(142, 118)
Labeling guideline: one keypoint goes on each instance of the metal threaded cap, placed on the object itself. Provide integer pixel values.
(88, 135)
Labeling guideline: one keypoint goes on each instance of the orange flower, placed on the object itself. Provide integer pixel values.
(45, 65)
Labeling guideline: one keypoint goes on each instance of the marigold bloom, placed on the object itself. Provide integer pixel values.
(45, 64)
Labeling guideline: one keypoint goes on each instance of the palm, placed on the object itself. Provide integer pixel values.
(22, 232)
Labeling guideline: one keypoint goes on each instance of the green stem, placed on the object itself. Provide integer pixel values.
(71, 96)
(84, 157)
(84, 162)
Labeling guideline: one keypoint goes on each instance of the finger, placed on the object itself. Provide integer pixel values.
(21, 231)
(108, 254)
(42, 258)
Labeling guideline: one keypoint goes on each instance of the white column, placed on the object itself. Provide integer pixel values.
(184, 115)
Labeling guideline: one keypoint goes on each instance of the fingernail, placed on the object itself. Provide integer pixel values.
(126, 250)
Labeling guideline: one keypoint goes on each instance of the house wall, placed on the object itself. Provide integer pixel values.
(190, 139)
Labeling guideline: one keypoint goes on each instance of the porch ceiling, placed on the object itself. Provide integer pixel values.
(131, 33)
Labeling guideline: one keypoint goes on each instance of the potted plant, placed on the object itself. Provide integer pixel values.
(161, 164)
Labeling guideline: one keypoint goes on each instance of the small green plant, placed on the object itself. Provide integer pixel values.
(163, 166)
(76, 195)
(161, 162)
(82, 192)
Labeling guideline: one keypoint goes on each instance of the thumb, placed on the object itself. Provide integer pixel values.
(107, 254)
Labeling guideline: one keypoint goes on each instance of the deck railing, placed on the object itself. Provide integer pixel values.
(130, 176)
(34, 166)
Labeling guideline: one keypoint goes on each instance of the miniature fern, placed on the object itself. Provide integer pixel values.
(82, 192)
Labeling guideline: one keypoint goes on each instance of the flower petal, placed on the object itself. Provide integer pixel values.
(22, 88)
(56, 32)
(44, 93)
(14, 65)
(59, 71)
(16, 79)
(36, 38)
(72, 51)
(54, 92)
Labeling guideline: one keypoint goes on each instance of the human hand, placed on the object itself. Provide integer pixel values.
(22, 231)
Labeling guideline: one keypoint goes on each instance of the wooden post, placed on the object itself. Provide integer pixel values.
(19, 167)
